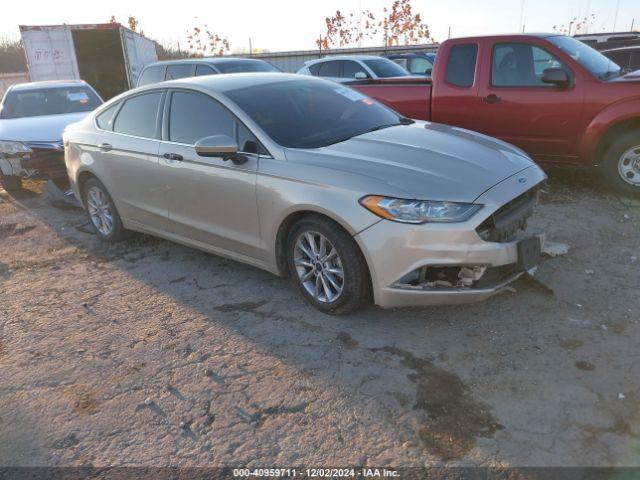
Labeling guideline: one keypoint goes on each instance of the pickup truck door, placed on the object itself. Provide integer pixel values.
(516, 106)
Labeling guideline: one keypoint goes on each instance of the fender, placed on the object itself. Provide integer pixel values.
(621, 111)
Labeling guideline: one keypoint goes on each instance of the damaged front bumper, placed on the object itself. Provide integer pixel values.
(456, 263)
(44, 160)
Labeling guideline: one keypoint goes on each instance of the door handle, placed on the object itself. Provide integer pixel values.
(492, 98)
(105, 147)
(173, 156)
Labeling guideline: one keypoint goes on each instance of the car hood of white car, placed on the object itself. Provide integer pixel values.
(44, 128)
(426, 160)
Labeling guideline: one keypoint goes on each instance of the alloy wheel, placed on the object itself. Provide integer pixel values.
(100, 211)
(318, 266)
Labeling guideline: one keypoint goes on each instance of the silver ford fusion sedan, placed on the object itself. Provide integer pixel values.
(307, 178)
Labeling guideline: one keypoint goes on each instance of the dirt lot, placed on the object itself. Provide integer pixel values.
(150, 353)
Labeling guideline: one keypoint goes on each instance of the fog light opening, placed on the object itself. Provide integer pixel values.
(443, 277)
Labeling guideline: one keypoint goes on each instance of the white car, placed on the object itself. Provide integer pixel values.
(32, 118)
(347, 68)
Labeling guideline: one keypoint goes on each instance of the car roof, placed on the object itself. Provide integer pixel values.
(228, 81)
(47, 84)
(206, 61)
(508, 36)
(344, 57)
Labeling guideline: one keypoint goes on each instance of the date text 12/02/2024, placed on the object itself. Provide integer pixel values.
(316, 472)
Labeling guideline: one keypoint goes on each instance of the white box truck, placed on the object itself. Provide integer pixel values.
(108, 56)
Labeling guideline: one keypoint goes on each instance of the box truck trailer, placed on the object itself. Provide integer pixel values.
(108, 56)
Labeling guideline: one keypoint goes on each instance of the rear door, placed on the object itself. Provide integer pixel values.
(211, 201)
(128, 145)
(515, 105)
(50, 53)
(139, 51)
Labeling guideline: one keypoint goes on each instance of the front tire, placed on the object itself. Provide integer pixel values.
(327, 266)
(102, 211)
(622, 164)
(11, 183)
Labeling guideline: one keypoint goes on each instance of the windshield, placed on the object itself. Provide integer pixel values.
(312, 113)
(48, 101)
(591, 59)
(384, 68)
(248, 66)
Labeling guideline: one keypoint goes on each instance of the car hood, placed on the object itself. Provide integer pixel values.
(426, 160)
(45, 128)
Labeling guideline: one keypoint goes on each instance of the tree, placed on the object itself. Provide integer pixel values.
(398, 26)
(576, 25)
(401, 25)
(342, 31)
(202, 42)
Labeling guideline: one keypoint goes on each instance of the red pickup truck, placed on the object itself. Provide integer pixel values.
(553, 96)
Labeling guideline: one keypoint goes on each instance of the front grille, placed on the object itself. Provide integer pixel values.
(509, 219)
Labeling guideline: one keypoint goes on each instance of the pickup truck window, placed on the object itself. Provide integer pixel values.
(461, 65)
(521, 65)
(595, 62)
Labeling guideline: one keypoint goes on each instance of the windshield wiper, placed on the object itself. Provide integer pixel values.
(401, 121)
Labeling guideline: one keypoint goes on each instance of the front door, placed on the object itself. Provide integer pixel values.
(518, 107)
(211, 201)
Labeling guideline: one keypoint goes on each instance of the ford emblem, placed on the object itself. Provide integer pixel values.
(522, 180)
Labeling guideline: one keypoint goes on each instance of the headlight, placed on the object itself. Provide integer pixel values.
(419, 211)
(10, 148)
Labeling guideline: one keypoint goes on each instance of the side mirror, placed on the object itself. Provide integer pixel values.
(360, 76)
(428, 71)
(556, 76)
(220, 146)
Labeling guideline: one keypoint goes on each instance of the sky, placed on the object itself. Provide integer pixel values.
(278, 25)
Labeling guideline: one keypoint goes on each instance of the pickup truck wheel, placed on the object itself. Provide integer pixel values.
(10, 183)
(102, 211)
(622, 164)
(327, 266)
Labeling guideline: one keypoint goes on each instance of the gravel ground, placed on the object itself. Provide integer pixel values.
(150, 353)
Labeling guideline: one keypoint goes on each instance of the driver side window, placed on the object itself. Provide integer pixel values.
(521, 65)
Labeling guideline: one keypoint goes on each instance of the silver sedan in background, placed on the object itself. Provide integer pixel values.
(307, 178)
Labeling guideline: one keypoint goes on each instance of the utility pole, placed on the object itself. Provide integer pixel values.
(449, 34)
(250, 48)
(522, 15)
(615, 16)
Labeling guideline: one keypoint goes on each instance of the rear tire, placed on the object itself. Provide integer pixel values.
(11, 183)
(327, 266)
(622, 164)
(102, 211)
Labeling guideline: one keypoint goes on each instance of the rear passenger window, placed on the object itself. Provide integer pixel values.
(204, 70)
(179, 71)
(151, 75)
(350, 68)
(139, 115)
(330, 69)
(105, 119)
(461, 65)
(315, 69)
(195, 116)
